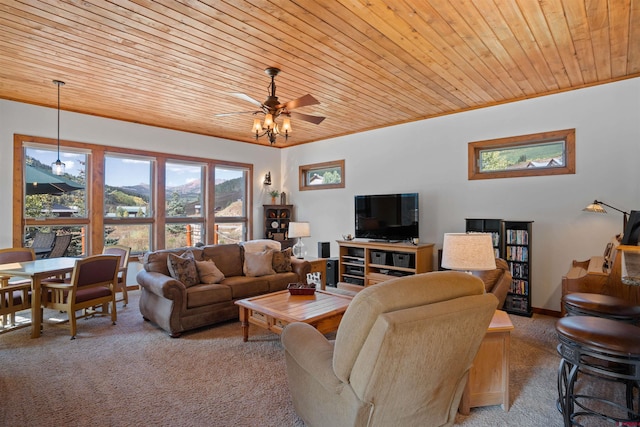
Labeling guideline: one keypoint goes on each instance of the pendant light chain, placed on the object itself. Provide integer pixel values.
(58, 167)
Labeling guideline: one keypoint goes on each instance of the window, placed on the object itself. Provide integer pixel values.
(55, 203)
(230, 204)
(127, 201)
(183, 204)
(145, 200)
(322, 175)
(548, 153)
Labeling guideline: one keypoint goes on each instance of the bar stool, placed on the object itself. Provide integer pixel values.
(604, 350)
(598, 305)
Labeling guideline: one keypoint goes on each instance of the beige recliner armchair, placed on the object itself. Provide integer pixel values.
(401, 356)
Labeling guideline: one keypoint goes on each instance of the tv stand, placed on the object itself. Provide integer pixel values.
(367, 263)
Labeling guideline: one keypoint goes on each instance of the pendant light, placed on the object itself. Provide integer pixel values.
(57, 167)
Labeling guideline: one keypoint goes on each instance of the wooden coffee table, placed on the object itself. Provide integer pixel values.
(322, 310)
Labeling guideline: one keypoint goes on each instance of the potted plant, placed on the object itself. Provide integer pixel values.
(273, 194)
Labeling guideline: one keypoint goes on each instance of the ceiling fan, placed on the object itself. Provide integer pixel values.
(272, 109)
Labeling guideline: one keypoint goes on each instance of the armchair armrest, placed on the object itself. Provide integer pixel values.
(17, 287)
(312, 352)
(160, 284)
(301, 268)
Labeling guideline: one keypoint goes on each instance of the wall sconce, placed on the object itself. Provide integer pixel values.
(267, 178)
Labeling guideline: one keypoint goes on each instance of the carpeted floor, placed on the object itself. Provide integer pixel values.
(134, 374)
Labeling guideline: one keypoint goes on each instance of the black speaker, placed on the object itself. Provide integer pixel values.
(324, 250)
(332, 272)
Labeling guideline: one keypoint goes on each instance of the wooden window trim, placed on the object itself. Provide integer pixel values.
(95, 205)
(566, 135)
(303, 169)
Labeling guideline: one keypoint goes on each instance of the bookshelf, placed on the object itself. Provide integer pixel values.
(511, 242)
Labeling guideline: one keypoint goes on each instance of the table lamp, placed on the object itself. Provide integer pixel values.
(299, 230)
(468, 252)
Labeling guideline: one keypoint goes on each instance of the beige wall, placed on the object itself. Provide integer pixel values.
(430, 157)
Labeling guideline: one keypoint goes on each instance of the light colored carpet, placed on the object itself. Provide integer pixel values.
(135, 374)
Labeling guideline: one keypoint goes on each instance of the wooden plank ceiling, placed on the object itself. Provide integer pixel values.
(370, 63)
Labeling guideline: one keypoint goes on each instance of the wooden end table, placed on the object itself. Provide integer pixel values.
(488, 382)
(322, 310)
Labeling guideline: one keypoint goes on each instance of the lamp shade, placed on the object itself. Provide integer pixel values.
(468, 252)
(595, 207)
(299, 229)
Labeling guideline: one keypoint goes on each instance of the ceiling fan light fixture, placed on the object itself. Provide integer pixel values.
(286, 126)
(257, 126)
(273, 109)
(268, 121)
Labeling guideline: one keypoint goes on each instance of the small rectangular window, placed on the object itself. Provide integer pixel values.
(320, 176)
(549, 153)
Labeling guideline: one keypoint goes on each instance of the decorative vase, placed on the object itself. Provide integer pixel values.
(273, 200)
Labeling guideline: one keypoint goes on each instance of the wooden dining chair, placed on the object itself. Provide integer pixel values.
(15, 295)
(92, 284)
(123, 252)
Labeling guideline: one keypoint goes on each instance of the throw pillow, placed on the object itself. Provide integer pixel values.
(183, 268)
(258, 263)
(282, 261)
(260, 245)
(209, 272)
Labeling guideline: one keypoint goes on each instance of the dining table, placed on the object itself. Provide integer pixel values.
(37, 271)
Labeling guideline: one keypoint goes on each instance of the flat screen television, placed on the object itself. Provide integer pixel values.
(390, 217)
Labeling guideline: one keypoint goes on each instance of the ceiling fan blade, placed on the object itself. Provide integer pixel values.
(303, 101)
(234, 113)
(246, 98)
(307, 118)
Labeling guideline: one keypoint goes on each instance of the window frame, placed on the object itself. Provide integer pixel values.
(96, 221)
(568, 136)
(303, 172)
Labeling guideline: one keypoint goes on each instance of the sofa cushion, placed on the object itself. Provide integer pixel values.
(280, 281)
(282, 261)
(258, 264)
(204, 294)
(245, 287)
(228, 258)
(209, 272)
(183, 268)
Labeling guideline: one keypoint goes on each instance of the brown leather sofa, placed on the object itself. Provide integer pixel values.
(497, 281)
(176, 308)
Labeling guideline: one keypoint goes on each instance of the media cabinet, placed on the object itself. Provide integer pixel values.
(365, 263)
